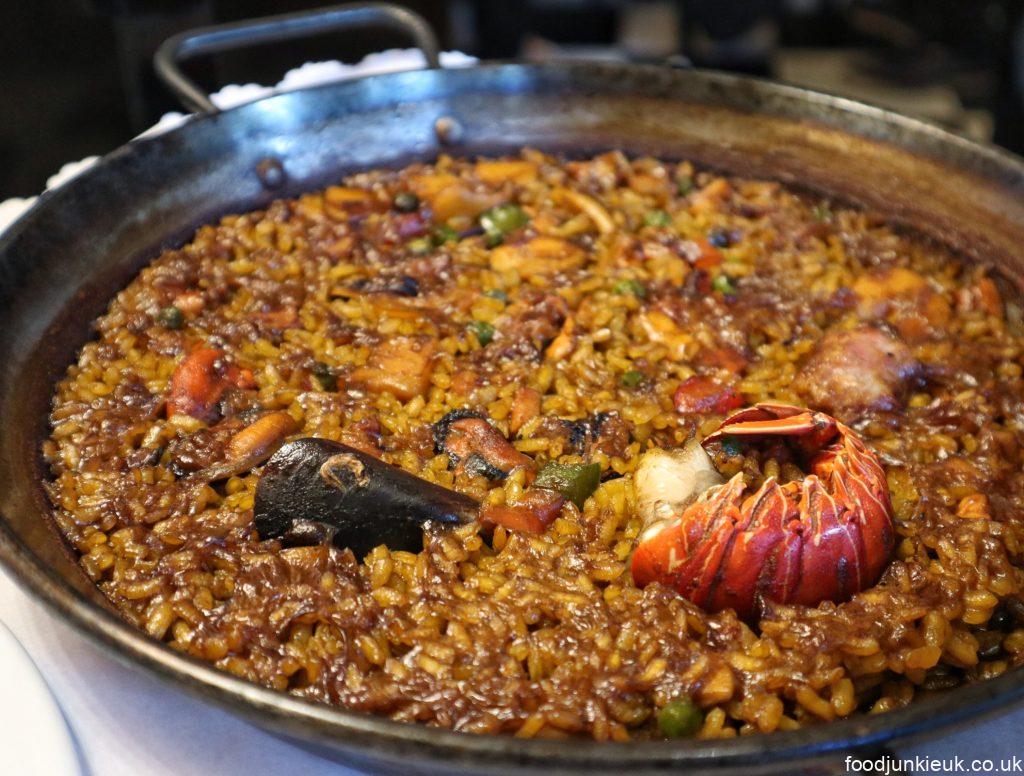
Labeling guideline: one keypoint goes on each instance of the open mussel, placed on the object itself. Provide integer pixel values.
(316, 490)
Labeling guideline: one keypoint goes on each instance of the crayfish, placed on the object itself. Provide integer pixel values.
(824, 537)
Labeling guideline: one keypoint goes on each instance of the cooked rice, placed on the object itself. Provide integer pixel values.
(545, 635)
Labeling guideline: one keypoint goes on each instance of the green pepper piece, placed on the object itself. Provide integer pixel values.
(634, 287)
(657, 218)
(684, 185)
(679, 718)
(496, 293)
(483, 331)
(576, 481)
(632, 378)
(443, 234)
(171, 317)
(723, 284)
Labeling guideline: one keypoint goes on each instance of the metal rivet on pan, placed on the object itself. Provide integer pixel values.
(448, 130)
(270, 172)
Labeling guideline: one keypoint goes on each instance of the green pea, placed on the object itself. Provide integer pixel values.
(483, 331)
(406, 202)
(496, 293)
(325, 376)
(632, 378)
(502, 219)
(679, 719)
(493, 239)
(657, 218)
(420, 245)
(634, 287)
(444, 234)
(171, 317)
(723, 284)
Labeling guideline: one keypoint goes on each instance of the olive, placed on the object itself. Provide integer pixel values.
(679, 719)
(406, 202)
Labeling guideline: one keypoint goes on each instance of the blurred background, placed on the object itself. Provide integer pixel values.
(76, 78)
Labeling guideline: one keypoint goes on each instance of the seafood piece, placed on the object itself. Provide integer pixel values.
(589, 206)
(525, 407)
(903, 297)
(497, 171)
(252, 445)
(538, 257)
(532, 513)
(200, 381)
(825, 537)
(854, 371)
(316, 490)
(450, 197)
(668, 481)
(699, 394)
(475, 447)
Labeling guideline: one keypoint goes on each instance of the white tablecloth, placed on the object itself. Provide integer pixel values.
(128, 724)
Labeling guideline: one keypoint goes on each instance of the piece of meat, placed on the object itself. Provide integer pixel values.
(448, 196)
(724, 358)
(538, 257)
(603, 432)
(203, 447)
(201, 379)
(535, 510)
(699, 394)
(904, 298)
(525, 407)
(855, 371)
(400, 366)
(528, 325)
(365, 435)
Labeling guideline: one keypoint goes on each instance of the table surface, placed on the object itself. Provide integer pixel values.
(103, 701)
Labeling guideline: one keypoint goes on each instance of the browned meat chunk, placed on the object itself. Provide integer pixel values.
(477, 447)
(400, 366)
(529, 325)
(854, 371)
(525, 407)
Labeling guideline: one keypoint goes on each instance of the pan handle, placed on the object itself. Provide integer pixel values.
(270, 29)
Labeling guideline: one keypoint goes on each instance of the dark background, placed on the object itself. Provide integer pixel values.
(75, 78)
